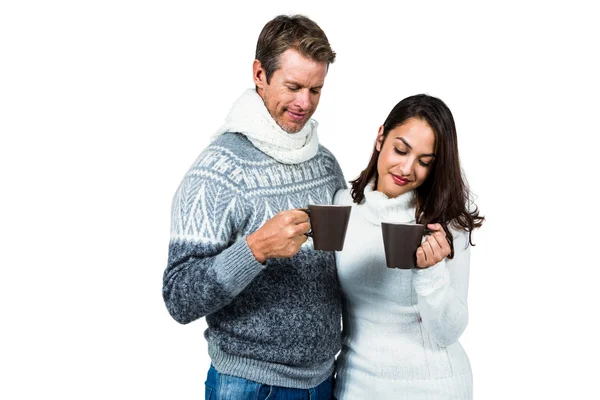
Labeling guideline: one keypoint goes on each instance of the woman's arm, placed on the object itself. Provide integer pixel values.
(442, 294)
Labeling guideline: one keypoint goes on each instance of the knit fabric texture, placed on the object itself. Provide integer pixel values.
(400, 327)
(278, 323)
(249, 116)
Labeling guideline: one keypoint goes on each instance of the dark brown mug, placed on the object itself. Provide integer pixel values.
(328, 225)
(401, 242)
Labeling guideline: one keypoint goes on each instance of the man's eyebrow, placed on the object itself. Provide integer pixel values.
(410, 147)
(295, 83)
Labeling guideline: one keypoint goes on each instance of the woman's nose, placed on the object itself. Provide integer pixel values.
(405, 168)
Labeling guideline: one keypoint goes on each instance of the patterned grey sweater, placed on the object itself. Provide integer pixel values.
(278, 323)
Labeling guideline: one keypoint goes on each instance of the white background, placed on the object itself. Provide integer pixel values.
(105, 104)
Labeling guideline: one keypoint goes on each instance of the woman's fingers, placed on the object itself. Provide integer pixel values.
(435, 247)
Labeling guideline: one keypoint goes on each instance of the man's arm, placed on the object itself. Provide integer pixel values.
(198, 284)
(210, 261)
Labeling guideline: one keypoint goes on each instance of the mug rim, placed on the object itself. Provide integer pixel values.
(402, 223)
(328, 205)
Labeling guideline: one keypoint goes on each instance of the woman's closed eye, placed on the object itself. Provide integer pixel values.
(403, 153)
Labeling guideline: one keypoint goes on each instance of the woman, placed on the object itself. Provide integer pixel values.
(401, 327)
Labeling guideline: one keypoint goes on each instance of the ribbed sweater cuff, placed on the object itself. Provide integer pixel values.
(238, 267)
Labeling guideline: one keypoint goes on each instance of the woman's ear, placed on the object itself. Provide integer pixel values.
(379, 141)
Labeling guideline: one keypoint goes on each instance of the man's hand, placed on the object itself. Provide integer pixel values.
(280, 237)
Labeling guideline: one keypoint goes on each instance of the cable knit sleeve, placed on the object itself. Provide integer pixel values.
(442, 294)
(209, 262)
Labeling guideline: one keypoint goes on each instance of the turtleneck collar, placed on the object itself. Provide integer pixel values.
(379, 208)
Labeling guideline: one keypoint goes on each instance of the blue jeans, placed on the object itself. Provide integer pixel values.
(226, 387)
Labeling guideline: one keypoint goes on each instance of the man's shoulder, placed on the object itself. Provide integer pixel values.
(228, 148)
(222, 162)
(326, 152)
(237, 148)
(231, 140)
(328, 159)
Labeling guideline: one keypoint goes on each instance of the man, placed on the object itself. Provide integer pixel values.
(238, 252)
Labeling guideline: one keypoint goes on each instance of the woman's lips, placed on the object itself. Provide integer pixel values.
(398, 180)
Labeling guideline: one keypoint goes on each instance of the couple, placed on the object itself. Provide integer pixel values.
(239, 254)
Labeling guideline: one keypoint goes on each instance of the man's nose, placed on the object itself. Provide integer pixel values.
(303, 99)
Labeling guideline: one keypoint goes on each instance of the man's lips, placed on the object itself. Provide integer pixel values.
(296, 115)
(398, 180)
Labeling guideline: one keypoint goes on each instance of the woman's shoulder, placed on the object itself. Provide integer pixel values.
(342, 197)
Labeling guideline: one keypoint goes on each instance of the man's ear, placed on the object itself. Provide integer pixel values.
(379, 141)
(259, 75)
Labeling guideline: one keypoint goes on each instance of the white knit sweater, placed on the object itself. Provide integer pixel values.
(400, 327)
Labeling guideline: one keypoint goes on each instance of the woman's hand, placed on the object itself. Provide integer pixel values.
(434, 249)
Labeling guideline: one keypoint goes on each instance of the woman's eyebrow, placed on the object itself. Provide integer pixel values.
(405, 142)
(410, 147)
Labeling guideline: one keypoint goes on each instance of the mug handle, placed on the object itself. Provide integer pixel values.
(309, 233)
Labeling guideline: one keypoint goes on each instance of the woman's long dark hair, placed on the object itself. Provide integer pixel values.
(444, 197)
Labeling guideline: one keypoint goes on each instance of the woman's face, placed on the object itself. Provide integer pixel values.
(405, 157)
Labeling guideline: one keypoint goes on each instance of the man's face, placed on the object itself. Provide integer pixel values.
(294, 91)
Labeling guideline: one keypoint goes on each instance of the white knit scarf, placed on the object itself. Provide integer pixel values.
(250, 117)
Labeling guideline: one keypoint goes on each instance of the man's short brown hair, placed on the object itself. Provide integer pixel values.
(291, 32)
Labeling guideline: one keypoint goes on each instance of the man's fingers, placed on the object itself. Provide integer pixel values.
(302, 228)
(302, 239)
(299, 215)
